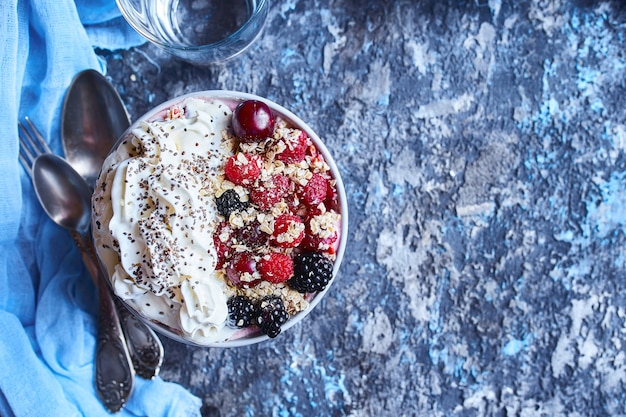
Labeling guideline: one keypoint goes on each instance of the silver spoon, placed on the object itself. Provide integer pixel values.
(92, 120)
(66, 198)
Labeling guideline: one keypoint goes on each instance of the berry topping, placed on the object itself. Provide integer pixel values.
(276, 247)
(294, 142)
(319, 243)
(270, 192)
(288, 231)
(253, 120)
(271, 315)
(311, 272)
(229, 202)
(276, 267)
(242, 270)
(241, 311)
(251, 235)
(332, 199)
(242, 168)
(315, 190)
(321, 232)
(222, 242)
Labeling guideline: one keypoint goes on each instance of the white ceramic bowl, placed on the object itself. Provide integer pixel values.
(158, 113)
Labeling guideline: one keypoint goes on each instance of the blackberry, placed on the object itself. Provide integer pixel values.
(312, 272)
(241, 311)
(229, 202)
(271, 315)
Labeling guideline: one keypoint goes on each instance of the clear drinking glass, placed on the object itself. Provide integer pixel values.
(197, 31)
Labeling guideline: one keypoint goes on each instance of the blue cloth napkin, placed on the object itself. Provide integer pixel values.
(47, 309)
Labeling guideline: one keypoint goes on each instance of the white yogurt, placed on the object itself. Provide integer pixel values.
(156, 241)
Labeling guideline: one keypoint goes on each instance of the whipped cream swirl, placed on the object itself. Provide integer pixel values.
(155, 215)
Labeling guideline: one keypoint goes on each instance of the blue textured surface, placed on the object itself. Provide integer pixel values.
(483, 147)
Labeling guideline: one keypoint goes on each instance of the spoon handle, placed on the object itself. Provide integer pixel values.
(114, 371)
(144, 346)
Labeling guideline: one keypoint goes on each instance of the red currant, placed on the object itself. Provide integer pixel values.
(253, 120)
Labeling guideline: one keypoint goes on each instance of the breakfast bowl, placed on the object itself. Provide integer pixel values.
(220, 218)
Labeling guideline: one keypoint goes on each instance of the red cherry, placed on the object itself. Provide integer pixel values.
(253, 120)
(251, 235)
(242, 263)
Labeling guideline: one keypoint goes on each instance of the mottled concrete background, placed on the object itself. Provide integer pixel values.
(483, 146)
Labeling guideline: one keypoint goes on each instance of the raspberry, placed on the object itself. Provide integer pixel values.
(314, 211)
(271, 315)
(229, 202)
(295, 142)
(315, 190)
(288, 231)
(318, 243)
(276, 267)
(312, 272)
(332, 198)
(321, 234)
(242, 168)
(241, 311)
(223, 248)
(242, 270)
(270, 192)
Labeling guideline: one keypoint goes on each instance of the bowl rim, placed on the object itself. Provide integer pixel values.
(154, 114)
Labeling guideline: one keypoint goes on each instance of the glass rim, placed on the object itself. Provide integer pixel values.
(261, 5)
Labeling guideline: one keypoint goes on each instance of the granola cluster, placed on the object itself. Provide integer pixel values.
(281, 218)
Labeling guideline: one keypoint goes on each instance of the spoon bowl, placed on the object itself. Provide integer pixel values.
(63, 193)
(94, 117)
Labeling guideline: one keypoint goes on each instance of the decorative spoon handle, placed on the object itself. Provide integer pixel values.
(114, 371)
(144, 345)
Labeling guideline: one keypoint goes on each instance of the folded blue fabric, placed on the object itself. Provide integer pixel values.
(47, 313)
